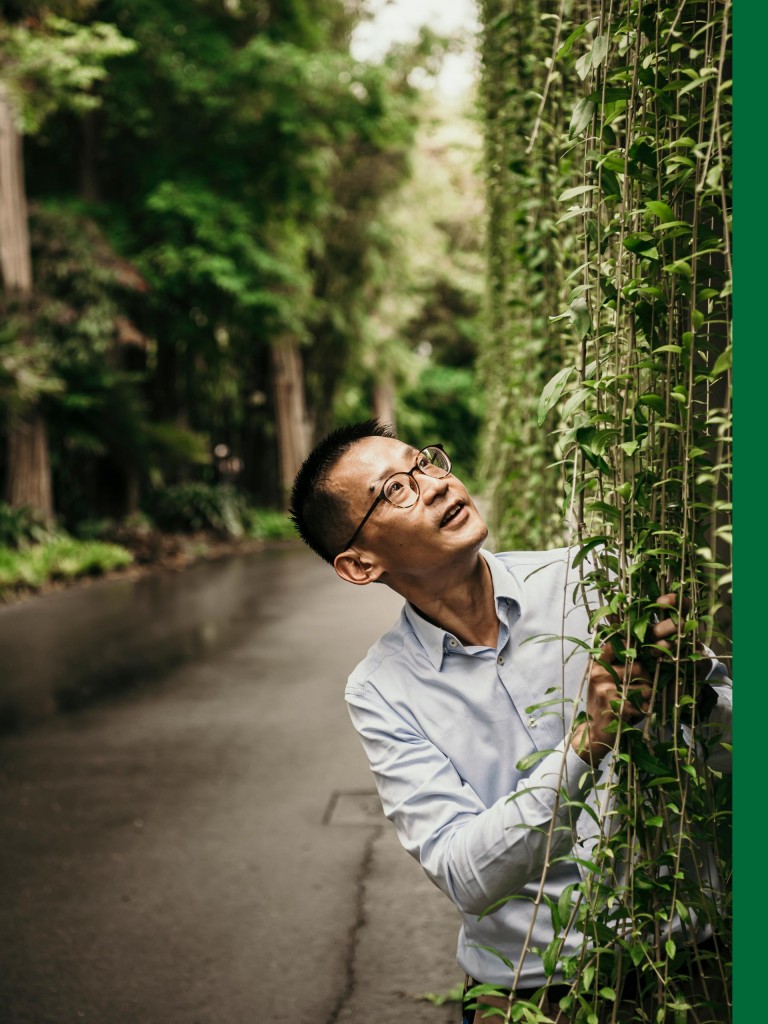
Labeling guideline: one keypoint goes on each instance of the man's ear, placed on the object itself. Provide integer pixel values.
(356, 566)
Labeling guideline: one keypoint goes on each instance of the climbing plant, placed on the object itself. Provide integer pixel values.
(608, 157)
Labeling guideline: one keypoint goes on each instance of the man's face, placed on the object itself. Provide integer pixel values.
(442, 525)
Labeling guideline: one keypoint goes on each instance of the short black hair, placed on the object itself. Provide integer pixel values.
(317, 512)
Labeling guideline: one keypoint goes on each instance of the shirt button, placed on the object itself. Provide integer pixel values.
(532, 723)
(500, 659)
(454, 643)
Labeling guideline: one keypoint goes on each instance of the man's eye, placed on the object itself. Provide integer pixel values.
(422, 462)
(393, 487)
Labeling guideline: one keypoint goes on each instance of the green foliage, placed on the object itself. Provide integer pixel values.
(444, 406)
(198, 506)
(19, 526)
(58, 558)
(423, 329)
(54, 64)
(219, 507)
(229, 196)
(609, 185)
(453, 995)
(265, 524)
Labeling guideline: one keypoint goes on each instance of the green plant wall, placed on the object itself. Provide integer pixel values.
(608, 365)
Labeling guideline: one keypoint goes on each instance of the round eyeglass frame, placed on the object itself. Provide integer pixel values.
(382, 496)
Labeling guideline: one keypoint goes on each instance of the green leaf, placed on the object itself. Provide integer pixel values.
(723, 362)
(454, 995)
(607, 511)
(582, 321)
(682, 910)
(660, 210)
(582, 115)
(655, 822)
(608, 993)
(681, 267)
(573, 403)
(584, 64)
(643, 244)
(599, 50)
(586, 548)
(567, 46)
(550, 956)
(598, 614)
(550, 396)
(564, 903)
(670, 947)
(547, 703)
(577, 190)
(531, 759)
(636, 954)
(653, 401)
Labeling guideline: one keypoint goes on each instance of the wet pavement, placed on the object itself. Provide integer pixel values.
(203, 846)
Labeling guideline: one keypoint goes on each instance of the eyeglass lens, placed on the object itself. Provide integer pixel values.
(402, 490)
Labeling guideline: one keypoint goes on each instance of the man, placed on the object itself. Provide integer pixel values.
(469, 726)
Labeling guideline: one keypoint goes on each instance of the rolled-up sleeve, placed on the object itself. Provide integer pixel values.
(476, 854)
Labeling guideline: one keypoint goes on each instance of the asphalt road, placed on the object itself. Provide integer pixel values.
(204, 848)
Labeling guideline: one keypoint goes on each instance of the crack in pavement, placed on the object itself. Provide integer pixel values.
(363, 874)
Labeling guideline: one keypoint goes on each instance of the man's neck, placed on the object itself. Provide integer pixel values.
(462, 604)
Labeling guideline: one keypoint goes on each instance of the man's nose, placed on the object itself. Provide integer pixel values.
(431, 487)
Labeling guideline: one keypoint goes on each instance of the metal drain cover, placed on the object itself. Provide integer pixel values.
(354, 807)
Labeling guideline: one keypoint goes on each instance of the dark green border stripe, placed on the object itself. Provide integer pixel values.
(751, 425)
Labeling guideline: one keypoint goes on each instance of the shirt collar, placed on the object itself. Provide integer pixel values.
(434, 639)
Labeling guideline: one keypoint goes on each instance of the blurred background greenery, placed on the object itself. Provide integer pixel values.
(223, 233)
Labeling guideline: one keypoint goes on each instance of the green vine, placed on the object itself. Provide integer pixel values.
(609, 134)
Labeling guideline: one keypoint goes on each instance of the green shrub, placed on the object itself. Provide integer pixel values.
(58, 558)
(93, 529)
(198, 506)
(136, 524)
(266, 524)
(20, 525)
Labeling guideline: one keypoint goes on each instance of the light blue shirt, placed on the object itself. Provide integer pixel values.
(445, 727)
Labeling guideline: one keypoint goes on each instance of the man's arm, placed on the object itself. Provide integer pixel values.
(477, 855)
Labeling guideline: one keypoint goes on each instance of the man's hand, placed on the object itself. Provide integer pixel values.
(662, 640)
(614, 691)
(621, 690)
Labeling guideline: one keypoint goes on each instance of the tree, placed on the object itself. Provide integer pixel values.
(426, 295)
(47, 63)
(222, 157)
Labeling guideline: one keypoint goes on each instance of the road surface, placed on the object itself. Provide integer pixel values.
(203, 847)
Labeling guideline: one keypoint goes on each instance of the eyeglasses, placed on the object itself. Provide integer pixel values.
(401, 489)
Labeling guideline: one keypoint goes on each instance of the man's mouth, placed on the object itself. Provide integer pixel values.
(451, 514)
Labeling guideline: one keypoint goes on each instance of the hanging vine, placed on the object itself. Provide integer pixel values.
(609, 138)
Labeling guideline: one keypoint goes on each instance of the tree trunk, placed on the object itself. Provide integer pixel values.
(384, 400)
(29, 470)
(290, 408)
(28, 482)
(15, 261)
